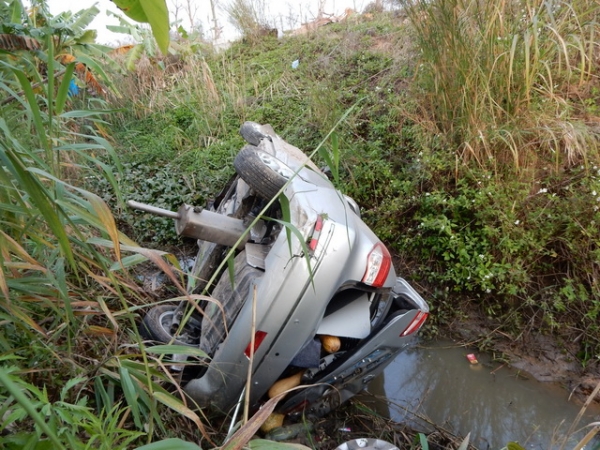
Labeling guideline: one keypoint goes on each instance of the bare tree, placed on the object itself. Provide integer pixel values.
(184, 13)
(321, 10)
(192, 10)
(174, 8)
(293, 17)
(216, 29)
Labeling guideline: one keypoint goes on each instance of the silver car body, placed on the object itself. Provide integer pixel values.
(292, 299)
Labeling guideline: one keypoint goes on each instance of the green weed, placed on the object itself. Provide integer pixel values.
(59, 419)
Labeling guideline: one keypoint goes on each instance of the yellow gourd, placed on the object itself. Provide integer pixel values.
(275, 420)
(285, 384)
(331, 344)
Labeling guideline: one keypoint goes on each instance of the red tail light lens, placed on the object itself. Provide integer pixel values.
(379, 262)
(415, 324)
(259, 337)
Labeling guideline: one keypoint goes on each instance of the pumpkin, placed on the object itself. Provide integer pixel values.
(330, 344)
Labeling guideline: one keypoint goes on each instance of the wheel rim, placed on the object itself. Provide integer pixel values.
(165, 320)
(186, 337)
(275, 165)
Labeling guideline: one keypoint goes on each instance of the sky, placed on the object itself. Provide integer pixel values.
(281, 12)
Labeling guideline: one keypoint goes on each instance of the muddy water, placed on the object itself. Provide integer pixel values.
(435, 383)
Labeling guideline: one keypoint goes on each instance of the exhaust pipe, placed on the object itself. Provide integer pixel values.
(200, 224)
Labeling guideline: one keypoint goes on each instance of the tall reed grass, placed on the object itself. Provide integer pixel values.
(511, 82)
(74, 373)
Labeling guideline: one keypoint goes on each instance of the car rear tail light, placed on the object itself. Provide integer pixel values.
(379, 262)
(259, 337)
(415, 324)
(314, 239)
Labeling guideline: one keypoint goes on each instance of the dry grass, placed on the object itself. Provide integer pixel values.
(511, 82)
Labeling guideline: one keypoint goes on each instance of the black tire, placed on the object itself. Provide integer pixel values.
(252, 133)
(156, 327)
(231, 299)
(262, 171)
(208, 258)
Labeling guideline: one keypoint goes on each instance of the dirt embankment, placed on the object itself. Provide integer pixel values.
(544, 357)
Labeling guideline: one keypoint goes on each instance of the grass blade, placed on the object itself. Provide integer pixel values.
(34, 110)
(38, 195)
(131, 395)
(177, 406)
(464, 445)
(63, 89)
(170, 444)
(176, 349)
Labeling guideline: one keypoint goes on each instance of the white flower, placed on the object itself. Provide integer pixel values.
(517, 222)
(542, 191)
(594, 193)
(487, 291)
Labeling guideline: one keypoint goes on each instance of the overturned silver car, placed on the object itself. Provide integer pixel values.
(313, 298)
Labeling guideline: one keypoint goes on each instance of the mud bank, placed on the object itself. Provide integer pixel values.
(545, 357)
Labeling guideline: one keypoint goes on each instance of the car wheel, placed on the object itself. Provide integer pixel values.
(252, 132)
(262, 171)
(219, 316)
(156, 326)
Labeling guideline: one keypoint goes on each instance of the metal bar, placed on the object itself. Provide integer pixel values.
(153, 209)
(232, 426)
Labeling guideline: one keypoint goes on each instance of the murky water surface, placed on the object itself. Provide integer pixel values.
(435, 382)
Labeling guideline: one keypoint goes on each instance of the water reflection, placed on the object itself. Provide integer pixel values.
(436, 383)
